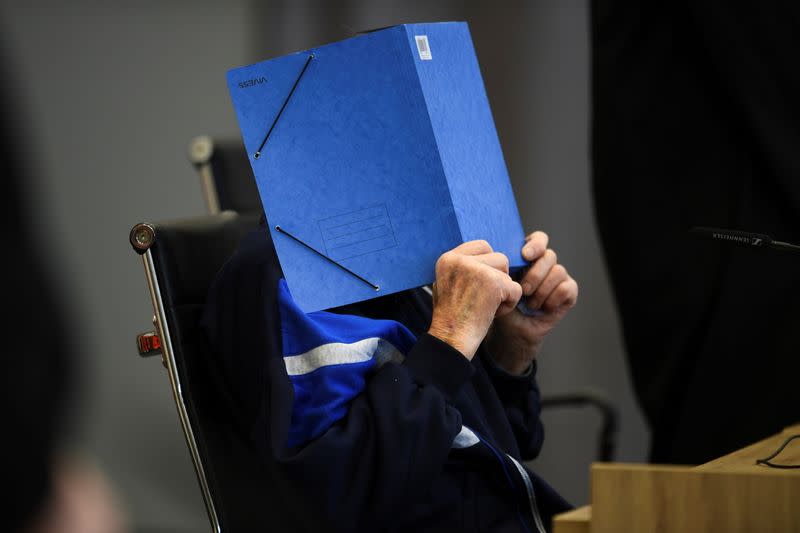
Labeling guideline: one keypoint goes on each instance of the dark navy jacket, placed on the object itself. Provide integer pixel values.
(433, 442)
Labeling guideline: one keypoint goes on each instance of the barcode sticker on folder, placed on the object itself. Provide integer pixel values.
(423, 48)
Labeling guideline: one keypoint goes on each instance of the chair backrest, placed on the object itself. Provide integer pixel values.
(181, 259)
(225, 175)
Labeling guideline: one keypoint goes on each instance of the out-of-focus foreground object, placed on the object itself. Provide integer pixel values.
(46, 492)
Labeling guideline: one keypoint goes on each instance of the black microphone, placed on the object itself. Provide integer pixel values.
(744, 238)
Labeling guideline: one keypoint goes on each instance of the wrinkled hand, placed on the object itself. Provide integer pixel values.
(515, 338)
(472, 288)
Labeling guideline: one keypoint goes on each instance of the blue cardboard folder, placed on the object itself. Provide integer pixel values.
(373, 156)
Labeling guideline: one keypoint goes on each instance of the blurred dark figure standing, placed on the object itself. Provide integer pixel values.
(48, 489)
(696, 122)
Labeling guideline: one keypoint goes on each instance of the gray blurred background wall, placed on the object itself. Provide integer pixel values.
(113, 91)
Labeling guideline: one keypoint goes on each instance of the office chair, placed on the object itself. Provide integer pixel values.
(181, 259)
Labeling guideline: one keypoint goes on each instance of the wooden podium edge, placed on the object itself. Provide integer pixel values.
(666, 498)
(731, 493)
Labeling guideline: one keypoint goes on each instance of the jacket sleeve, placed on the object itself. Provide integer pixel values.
(520, 398)
(369, 467)
(365, 470)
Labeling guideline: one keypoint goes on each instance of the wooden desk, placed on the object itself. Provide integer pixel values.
(729, 494)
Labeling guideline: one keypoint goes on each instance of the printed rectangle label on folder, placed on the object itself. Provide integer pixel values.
(357, 233)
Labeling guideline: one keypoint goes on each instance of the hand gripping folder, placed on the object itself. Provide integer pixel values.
(373, 156)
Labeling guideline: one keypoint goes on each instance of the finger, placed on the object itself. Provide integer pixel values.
(495, 260)
(512, 292)
(565, 296)
(535, 245)
(536, 274)
(556, 275)
(474, 248)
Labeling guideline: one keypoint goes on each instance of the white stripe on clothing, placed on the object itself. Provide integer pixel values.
(338, 353)
(465, 438)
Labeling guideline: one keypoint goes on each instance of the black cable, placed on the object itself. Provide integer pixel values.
(766, 460)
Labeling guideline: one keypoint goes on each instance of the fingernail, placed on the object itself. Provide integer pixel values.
(526, 288)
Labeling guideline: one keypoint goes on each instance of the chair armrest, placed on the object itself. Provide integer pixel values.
(588, 397)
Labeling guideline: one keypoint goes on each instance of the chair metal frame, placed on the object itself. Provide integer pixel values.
(142, 238)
